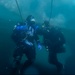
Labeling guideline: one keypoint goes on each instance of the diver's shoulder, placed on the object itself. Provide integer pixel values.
(19, 26)
(59, 30)
(56, 28)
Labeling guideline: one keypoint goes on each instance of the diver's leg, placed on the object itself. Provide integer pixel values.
(16, 64)
(30, 53)
(53, 60)
(16, 60)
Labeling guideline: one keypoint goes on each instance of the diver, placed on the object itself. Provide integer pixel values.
(24, 35)
(54, 42)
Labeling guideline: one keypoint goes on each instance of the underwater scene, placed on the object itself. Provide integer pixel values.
(37, 37)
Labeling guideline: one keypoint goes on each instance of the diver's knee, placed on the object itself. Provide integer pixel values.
(15, 64)
(16, 61)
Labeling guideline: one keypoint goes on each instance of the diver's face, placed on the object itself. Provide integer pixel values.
(32, 22)
(46, 25)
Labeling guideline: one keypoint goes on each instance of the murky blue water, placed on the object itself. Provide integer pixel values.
(63, 16)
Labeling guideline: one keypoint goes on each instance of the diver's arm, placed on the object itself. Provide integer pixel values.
(14, 35)
(17, 36)
(62, 38)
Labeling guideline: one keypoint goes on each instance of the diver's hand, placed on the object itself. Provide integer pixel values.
(28, 43)
(47, 49)
(39, 47)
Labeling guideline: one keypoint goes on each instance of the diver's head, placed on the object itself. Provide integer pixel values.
(30, 20)
(46, 22)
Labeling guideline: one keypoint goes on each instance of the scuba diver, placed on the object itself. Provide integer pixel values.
(54, 43)
(24, 35)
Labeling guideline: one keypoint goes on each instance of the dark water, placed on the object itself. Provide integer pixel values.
(9, 18)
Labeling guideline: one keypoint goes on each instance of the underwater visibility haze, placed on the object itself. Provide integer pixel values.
(61, 14)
